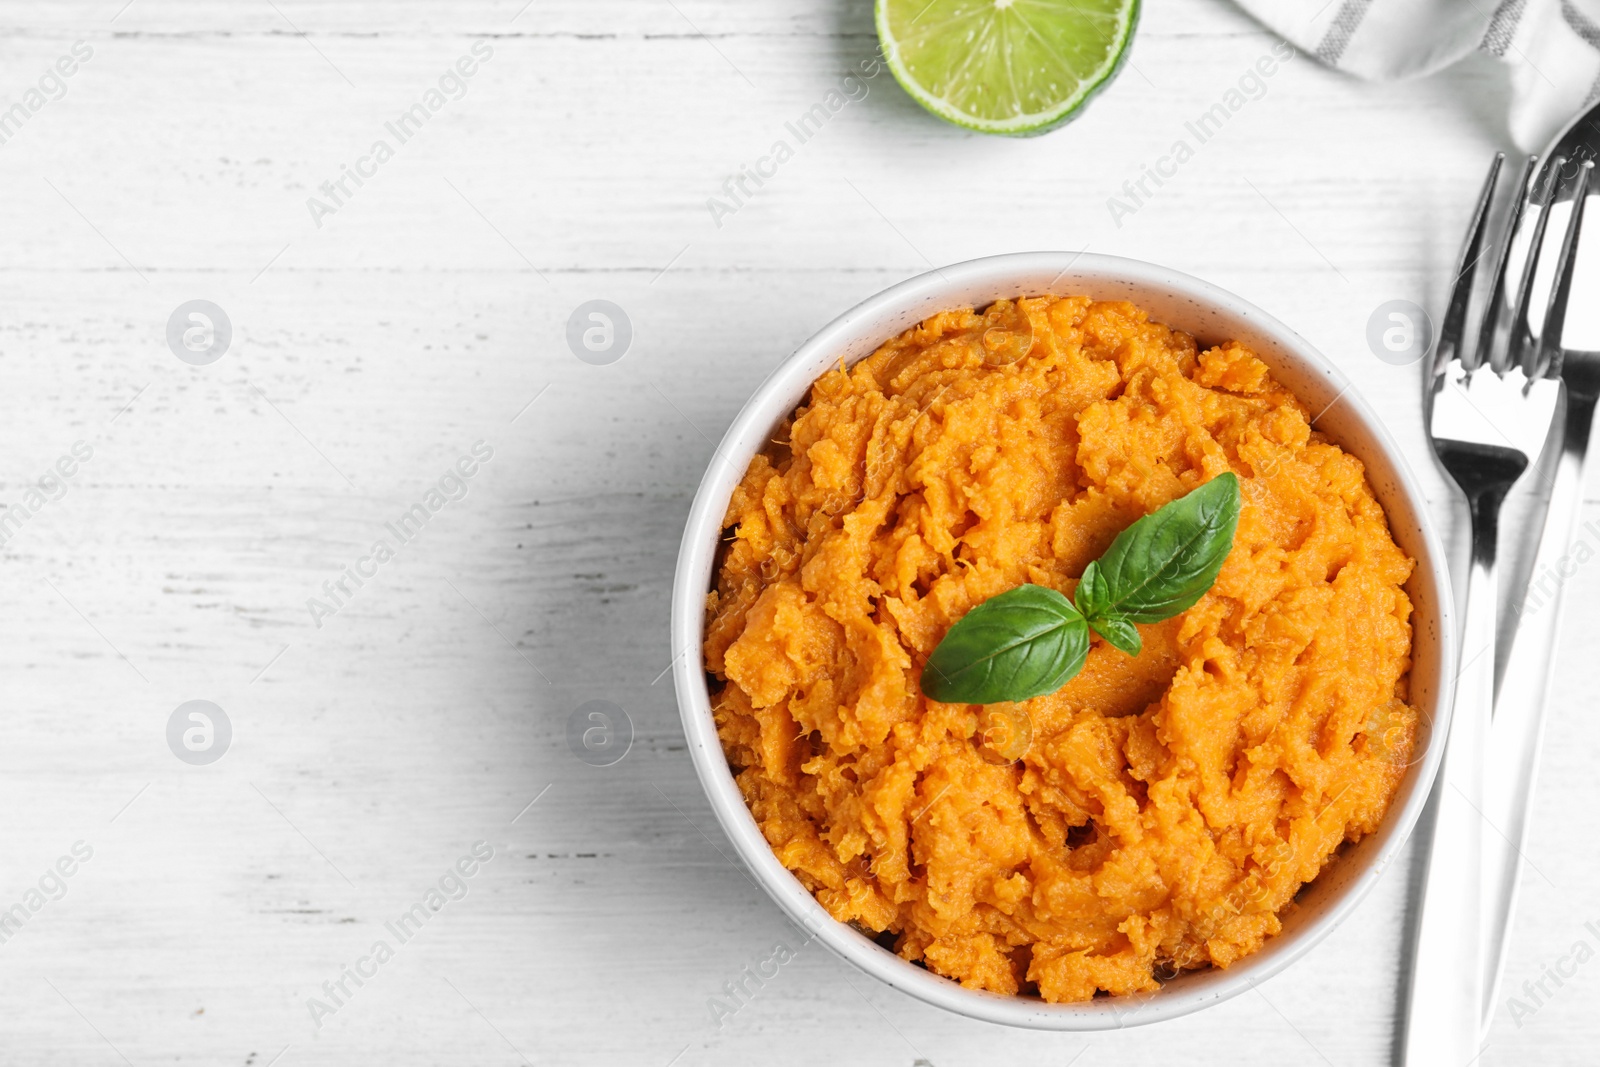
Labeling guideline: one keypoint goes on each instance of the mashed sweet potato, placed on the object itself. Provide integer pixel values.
(1159, 812)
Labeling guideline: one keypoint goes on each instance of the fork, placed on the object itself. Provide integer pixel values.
(1519, 709)
(1487, 422)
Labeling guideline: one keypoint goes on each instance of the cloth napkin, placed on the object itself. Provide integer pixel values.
(1552, 47)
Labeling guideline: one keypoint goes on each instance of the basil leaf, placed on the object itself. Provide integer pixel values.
(1024, 643)
(1031, 640)
(1119, 632)
(1164, 563)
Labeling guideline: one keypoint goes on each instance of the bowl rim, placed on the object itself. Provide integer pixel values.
(703, 528)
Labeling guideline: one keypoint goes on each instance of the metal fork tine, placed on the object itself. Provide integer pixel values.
(1561, 288)
(1521, 348)
(1455, 318)
(1492, 320)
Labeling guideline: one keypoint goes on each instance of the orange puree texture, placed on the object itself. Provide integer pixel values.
(1159, 812)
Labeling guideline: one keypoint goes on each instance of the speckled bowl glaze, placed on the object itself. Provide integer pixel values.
(1211, 315)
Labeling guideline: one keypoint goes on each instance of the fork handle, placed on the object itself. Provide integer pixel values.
(1446, 989)
(1519, 710)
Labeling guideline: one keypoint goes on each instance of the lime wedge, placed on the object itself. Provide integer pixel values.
(1016, 67)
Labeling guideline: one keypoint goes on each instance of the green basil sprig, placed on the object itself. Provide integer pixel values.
(1030, 640)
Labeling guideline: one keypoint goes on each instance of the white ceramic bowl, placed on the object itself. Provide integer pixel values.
(1211, 315)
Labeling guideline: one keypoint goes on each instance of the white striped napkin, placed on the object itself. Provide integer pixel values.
(1552, 46)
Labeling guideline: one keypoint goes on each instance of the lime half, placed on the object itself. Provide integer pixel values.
(1017, 67)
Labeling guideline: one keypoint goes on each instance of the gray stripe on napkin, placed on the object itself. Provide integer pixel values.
(1503, 27)
(1351, 12)
(1580, 24)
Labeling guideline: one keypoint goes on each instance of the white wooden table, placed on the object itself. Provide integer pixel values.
(428, 312)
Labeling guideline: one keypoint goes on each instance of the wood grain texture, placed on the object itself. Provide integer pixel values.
(368, 353)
